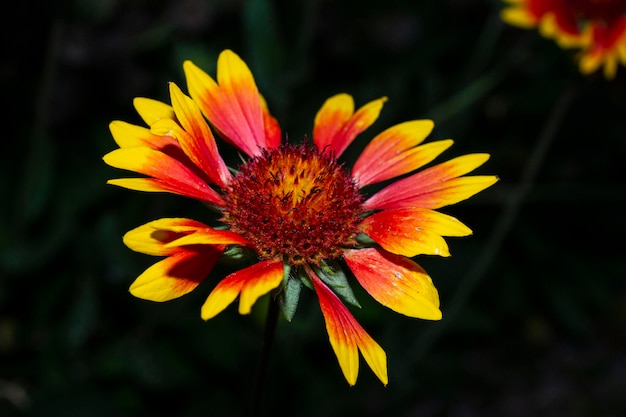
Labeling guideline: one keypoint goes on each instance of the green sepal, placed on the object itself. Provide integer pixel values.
(333, 276)
(236, 254)
(365, 240)
(304, 279)
(289, 295)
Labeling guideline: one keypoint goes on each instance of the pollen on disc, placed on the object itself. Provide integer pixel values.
(296, 203)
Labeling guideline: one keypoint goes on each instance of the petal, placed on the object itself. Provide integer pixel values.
(444, 194)
(530, 13)
(336, 124)
(151, 111)
(152, 238)
(393, 152)
(170, 175)
(518, 17)
(232, 104)
(434, 187)
(273, 135)
(610, 67)
(395, 282)
(158, 186)
(347, 337)
(331, 117)
(198, 142)
(176, 275)
(251, 282)
(405, 162)
(129, 135)
(210, 236)
(562, 28)
(604, 46)
(413, 231)
(589, 63)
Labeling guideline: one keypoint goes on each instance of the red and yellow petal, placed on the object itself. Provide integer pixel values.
(232, 104)
(394, 152)
(273, 135)
(435, 187)
(555, 19)
(562, 28)
(177, 274)
(605, 46)
(153, 185)
(528, 14)
(209, 236)
(127, 135)
(347, 337)
(336, 124)
(249, 284)
(413, 231)
(198, 142)
(395, 281)
(168, 174)
(151, 111)
(520, 14)
(154, 237)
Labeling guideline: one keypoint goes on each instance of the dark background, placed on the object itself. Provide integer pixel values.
(534, 302)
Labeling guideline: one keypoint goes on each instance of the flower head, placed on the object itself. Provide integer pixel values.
(293, 208)
(597, 28)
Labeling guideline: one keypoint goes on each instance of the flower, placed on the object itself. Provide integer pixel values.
(597, 28)
(294, 209)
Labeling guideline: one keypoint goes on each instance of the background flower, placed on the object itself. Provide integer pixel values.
(595, 27)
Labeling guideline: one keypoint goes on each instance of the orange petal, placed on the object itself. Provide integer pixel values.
(413, 231)
(336, 124)
(395, 282)
(347, 337)
(434, 187)
(170, 175)
(394, 152)
(232, 104)
(176, 275)
(198, 142)
(251, 282)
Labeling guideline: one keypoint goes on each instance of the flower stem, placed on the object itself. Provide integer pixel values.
(258, 390)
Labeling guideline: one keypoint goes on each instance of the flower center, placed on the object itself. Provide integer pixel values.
(296, 203)
(605, 10)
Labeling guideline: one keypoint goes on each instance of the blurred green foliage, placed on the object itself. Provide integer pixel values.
(537, 330)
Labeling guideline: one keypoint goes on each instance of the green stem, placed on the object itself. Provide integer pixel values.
(260, 383)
